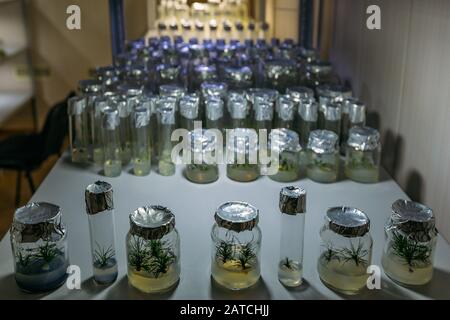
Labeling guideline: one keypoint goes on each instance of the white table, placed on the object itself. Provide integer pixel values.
(194, 206)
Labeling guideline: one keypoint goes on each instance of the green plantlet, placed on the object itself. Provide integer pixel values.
(330, 254)
(103, 255)
(246, 256)
(288, 263)
(410, 251)
(24, 259)
(139, 254)
(161, 258)
(48, 252)
(200, 167)
(355, 254)
(224, 251)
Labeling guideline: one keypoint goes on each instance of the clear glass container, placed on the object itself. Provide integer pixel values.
(410, 246)
(153, 250)
(189, 111)
(173, 91)
(112, 166)
(299, 93)
(317, 73)
(307, 119)
(285, 112)
(100, 210)
(236, 245)
(242, 155)
(346, 250)
(203, 166)
(141, 143)
(263, 110)
(286, 143)
(97, 144)
(332, 117)
(323, 156)
(214, 113)
(335, 91)
(39, 247)
(166, 125)
(362, 161)
(78, 132)
(353, 115)
(293, 212)
(125, 108)
(238, 110)
(280, 74)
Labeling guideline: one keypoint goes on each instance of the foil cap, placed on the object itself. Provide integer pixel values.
(332, 112)
(110, 118)
(363, 138)
(237, 216)
(285, 108)
(200, 141)
(151, 222)
(348, 222)
(298, 93)
(76, 105)
(36, 221)
(323, 141)
(172, 90)
(280, 68)
(189, 106)
(320, 67)
(215, 89)
(263, 110)
(292, 200)
(263, 94)
(284, 140)
(98, 197)
(338, 92)
(166, 114)
(308, 109)
(238, 75)
(141, 117)
(238, 107)
(356, 111)
(214, 108)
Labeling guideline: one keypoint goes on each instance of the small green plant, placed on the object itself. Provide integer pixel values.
(410, 251)
(24, 259)
(139, 254)
(359, 160)
(224, 251)
(355, 254)
(330, 253)
(286, 165)
(103, 255)
(48, 252)
(246, 256)
(323, 166)
(161, 258)
(288, 263)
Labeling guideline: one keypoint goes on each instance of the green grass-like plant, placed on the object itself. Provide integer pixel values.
(103, 255)
(356, 254)
(410, 251)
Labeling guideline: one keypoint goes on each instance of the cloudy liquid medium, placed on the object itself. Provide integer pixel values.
(363, 175)
(98, 156)
(230, 275)
(243, 172)
(398, 270)
(147, 283)
(141, 166)
(202, 173)
(290, 275)
(106, 274)
(325, 173)
(112, 168)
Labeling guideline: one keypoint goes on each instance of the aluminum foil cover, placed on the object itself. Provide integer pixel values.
(90, 86)
(237, 216)
(214, 108)
(76, 105)
(284, 140)
(323, 141)
(214, 89)
(110, 118)
(99, 105)
(298, 93)
(285, 108)
(239, 74)
(189, 106)
(363, 138)
(348, 222)
(262, 94)
(172, 90)
(337, 92)
(129, 90)
(166, 114)
(356, 111)
(98, 197)
(141, 117)
(414, 219)
(238, 107)
(332, 112)
(168, 72)
(37, 221)
(308, 109)
(263, 110)
(151, 222)
(200, 141)
(280, 68)
(292, 200)
(124, 107)
(242, 141)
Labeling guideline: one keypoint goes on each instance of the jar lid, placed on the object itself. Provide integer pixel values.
(348, 222)
(166, 113)
(284, 140)
(111, 118)
(214, 108)
(323, 141)
(172, 90)
(237, 106)
(216, 89)
(151, 222)
(35, 221)
(263, 109)
(237, 216)
(292, 200)
(98, 197)
(242, 141)
(141, 116)
(129, 90)
(76, 105)
(298, 93)
(264, 94)
(90, 86)
(308, 109)
(356, 110)
(336, 91)
(200, 141)
(332, 111)
(285, 108)
(189, 106)
(363, 138)
(413, 218)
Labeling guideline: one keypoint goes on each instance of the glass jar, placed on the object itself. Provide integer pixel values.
(268, 95)
(242, 155)
(202, 73)
(280, 74)
(299, 93)
(307, 119)
(293, 211)
(285, 112)
(112, 165)
(286, 143)
(318, 73)
(214, 113)
(346, 250)
(362, 161)
(411, 239)
(238, 111)
(153, 250)
(141, 146)
(100, 210)
(78, 132)
(97, 144)
(332, 117)
(263, 110)
(323, 156)
(125, 108)
(212, 89)
(335, 91)
(236, 245)
(203, 167)
(166, 125)
(39, 246)
(189, 111)
(353, 115)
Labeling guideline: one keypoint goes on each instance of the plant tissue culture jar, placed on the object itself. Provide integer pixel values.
(318, 73)
(285, 111)
(411, 238)
(242, 155)
(332, 117)
(346, 250)
(203, 167)
(189, 111)
(166, 125)
(323, 156)
(141, 146)
(280, 74)
(97, 144)
(236, 245)
(78, 131)
(214, 113)
(299, 93)
(307, 119)
(153, 250)
(268, 96)
(39, 246)
(286, 143)
(362, 162)
(212, 89)
(353, 115)
(263, 114)
(112, 165)
(293, 210)
(100, 210)
(125, 108)
(237, 107)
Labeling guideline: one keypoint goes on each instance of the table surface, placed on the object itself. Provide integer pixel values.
(194, 206)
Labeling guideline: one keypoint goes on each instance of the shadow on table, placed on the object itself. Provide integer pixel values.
(305, 291)
(388, 291)
(438, 287)
(259, 291)
(10, 290)
(123, 290)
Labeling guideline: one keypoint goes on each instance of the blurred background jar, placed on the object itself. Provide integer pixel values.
(242, 155)
(189, 111)
(214, 113)
(166, 125)
(236, 245)
(353, 115)
(285, 112)
(345, 250)
(112, 165)
(307, 119)
(141, 144)
(238, 111)
(263, 111)
(285, 142)
(323, 156)
(362, 163)
(280, 74)
(39, 247)
(78, 132)
(411, 238)
(318, 73)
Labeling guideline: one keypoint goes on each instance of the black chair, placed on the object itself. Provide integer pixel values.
(26, 152)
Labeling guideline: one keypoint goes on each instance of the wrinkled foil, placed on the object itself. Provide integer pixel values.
(348, 222)
(141, 117)
(242, 141)
(285, 108)
(189, 107)
(308, 110)
(166, 115)
(298, 93)
(263, 110)
(332, 112)
(214, 89)
(292, 200)
(111, 118)
(214, 108)
(171, 90)
(356, 111)
(237, 216)
(238, 107)
(323, 141)
(98, 197)
(201, 142)
(77, 105)
(284, 140)
(151, 222)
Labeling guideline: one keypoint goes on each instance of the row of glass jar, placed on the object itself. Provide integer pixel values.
(39, 244)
